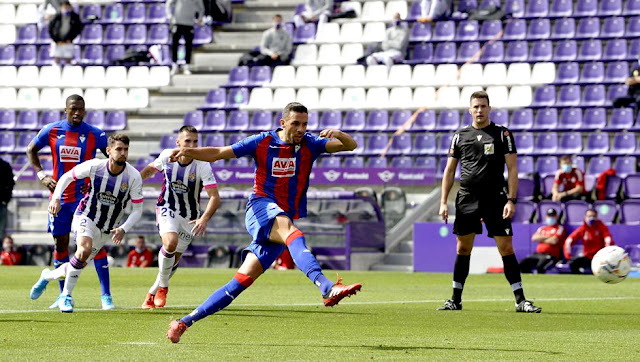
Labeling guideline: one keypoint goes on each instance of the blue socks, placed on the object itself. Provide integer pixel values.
(219, 299)
(307, 263)
(102, 268)
(59, 259)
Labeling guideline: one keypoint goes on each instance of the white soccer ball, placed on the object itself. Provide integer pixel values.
(611, 264)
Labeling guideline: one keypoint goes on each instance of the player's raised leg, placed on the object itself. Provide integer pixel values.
(464, 245)
(512, 273)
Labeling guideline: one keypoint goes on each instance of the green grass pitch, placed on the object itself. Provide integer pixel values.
(281, 317)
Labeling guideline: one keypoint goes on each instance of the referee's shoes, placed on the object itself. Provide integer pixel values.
(449, 304)
(527, 306)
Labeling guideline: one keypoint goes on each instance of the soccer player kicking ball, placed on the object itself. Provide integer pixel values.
(114, 184)
(178, 209)
(283, 158)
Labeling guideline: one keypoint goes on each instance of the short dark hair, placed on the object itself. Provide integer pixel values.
(188, 128)
(479, 95)
(278, 16)
(141, 237)
(74, 97)
(118, 137)
(65, 2)
(7, 236)
(293, 107)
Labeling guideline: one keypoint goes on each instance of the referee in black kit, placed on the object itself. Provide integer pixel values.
(483, 148)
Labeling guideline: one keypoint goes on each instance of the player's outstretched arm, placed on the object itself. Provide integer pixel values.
(148, 171)
(343, 141)
(200, 225)
(209, 154)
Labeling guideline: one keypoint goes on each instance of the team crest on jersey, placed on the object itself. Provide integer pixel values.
(123, 187)
(82, 138)
(298, 148)
(488, 149)
(192, 176)
(107, 198)
(283, 167)
(179, 188)
(70, 154)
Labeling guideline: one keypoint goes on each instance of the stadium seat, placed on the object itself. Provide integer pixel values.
(376, 144)
(377, 162)
(444, 143)
(116, 121)
(333, 119)
(7, 119)
(27, 34)
(351, 33)
(539, 28)
(624, 143)
(516, 29)
(420, 32)
(400, 145)
(630, 212)
(215, 140)
(95, 118)
(447, 97)
(27, 120)
(376, 75)
(546, 119)
(26, 13)
(215, 121)
(445, 52)
(376, 121)
(525, 212)
(620, 119)
(330, 98)
(616, 72)
(443, 31)
(519, 73)
(195, 119)
(235, 98)
(448, 120)
(594, 118)
(422, 53)
(113, 13)
(353, 162)
(8, 97)
(425, 162)
(517, 51)
(114, 34)
(329, 54)
(261, 121)
(494, 74)
(304, 34)
(541, 51)
(586, 8)
(590, 50)
(238, 120)
(424, 97)
(353, 97)
(574, 212)
(493, 52)
(95, 97)
(156, 13)
(524, 143)
(310, 97)
(353, 75)
(610, 7)
(467, 30)
(399, 75)
(373, 11)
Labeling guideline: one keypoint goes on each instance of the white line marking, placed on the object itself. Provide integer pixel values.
(139, 343)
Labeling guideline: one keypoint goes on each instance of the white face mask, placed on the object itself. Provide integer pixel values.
(566, 168)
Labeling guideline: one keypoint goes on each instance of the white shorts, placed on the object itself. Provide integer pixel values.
(170, 221)
(83, 226)
(62, 50)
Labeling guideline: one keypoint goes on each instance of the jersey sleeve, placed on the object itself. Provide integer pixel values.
(42, 138)
(83, 170)
(318, 145)
(248, 145)
(136, 187)
(206, 175)
(454, 149)
(160, 162)
(508, 143)
(102, 140)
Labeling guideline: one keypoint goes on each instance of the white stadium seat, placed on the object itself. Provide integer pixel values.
(8, 97)
(8, 75)
(160, 76)
(305, 54)
(374, 32)
(327, 33)
(520, 96)
(67, 92)
(373, 11)
(470, 74)
(376, 75)
(117, 98)
(27, 98)
(51, 98)
(424, 97)
(350, 53)
(94, 76)
(138, 76)
(28, 76)
(7, 33)
(519, 74)
(329, 54)
(115, 76)
(283, 76)
(423, 75)
(543, 73)
(353, 75)
(310, 97)
(7, 13)
(353, 98)
(351, 33)
(282, 97)
(495, 74)
(446, 75)
(306, 76)
(330, 75)
(138, 97)
(447, 97)
(465, 95)
(377, 98)
(26, 14)
(50, 76)
(400, 97)
(330, 98)
(499, 96)
(260, 98)
(396, 6)
(94, 98)
(71, 75)
(399, 75)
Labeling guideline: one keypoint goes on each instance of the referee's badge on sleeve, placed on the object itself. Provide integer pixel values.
(488, 148)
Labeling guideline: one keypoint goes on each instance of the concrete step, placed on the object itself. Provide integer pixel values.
(153, 127)
(227, 47)
(260, 16)
(184, 100)
(247, 26)
(216, 60)
(251, 37)
(393, 268)
(210, 80)
(199, 89)
(405, 247)
(175, 111)
(399, 259)
(271, 5)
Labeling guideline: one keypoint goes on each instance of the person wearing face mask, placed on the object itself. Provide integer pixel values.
(570, 180)
(594, 235)
(550, 238)
(63, 28)
(275, 46)
(9, 254)
(632, 99)
(394, 46)
(140, 256)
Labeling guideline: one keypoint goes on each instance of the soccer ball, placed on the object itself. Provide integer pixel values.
(611, 264)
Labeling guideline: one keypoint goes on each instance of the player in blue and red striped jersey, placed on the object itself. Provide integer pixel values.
(72, 142)
(283, 158)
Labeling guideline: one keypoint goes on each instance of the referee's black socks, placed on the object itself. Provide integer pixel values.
(460, 273)
(512, 272)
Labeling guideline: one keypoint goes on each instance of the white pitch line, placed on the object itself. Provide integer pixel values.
(482, 300)
(139, 343)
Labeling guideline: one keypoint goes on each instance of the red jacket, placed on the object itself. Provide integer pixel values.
(140, 260)
(10, 257)
(594, 238)
(554, 250)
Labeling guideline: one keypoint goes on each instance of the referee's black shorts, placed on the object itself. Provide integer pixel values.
(488, 209)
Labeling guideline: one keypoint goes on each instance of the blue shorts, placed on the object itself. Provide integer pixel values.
(261, 213)
(61, 224)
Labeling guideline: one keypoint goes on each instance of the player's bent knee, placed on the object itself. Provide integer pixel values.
(251, 266)
(293, 236)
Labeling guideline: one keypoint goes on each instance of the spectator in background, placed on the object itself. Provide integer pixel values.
(63, 28)
(6, 189)
(594, 235)
(570, 180)
(316, 10)
(550, 239)
(435, 10)
(182, 17)
(632, 99)
(9, 255)
(141, 256)
(47, 11)
(394, 46)
(275, 46)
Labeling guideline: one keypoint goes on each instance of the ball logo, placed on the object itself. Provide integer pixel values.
(70, 154)
(283, 167)
(106, 198)
(179, 188)
(224, 175)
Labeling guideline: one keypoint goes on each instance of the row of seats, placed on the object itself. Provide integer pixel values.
(96, 98)
(527, 119)
(119, 13)
(28, 119)
(562, 8)
(96, 76)
(572, 212)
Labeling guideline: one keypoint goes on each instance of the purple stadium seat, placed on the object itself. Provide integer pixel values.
(23, 141)
(545, 205)
(333, 119)
(515, 29)
(564, 29)
(422, 53)
(631, 7)
(466, 5)
(168, 141)
(526, 188)
(400, 145)
(95, 118)
(239, 162)
(27, 119)
(620, 119)
(420, 32)
(157, 13)
(376, 121)
(539, 28)
(544, 96)
(524, 212)
(27, 34)
(588, 28)
(305, 34)
(215, 121)
(425, 121)
(91, 34)
(467, 119)
(613, 27)
(597, 143)
(114, 34)
(43, 36)
(616, 72)
(136, 34)
(570, 144)
(517, 51)
(398, 118)
(376, 143)
(567, 72)
(202, 34)
(616, 49)
(48, 116)
(607, 210)
(574, 211)
(561, 8)
(91, 12)
(238, 77)
(594, 95)
(261, 121)
(625, 166)
(448, 120)
(493, 52)
(524, 143)
(143, 162)
(598, 165)
(238, 121)
(377, 162)
(570, 118)
(425, 162)
(624, 143)
(467, 30)
(525, 166)
(44, 56)
(444, 142)
(546, 165)
(424, 144)
(630, 211)
(114, 52)
(546, 185)
(7, 54)
(467, 50)
(631, 186)
(354, 162)
(313, 120)
(259, 75)
(445, 53)
(444, 31)
(610, 7)
(521, 119)
(113, 13)
(541, 51)
(214, 140)
(402, 162)
(569, 95)
(331, 162)
(566, 50)
(136, 13)
(159, 34)
(490, 29)
(586, 8)
(499, 116)
(237, 97)
(195, 119)
(633, 28)
(615, 91)
(592, 72)
(546, 143)
(115, 121)
(546, 119)
(215, 98)
(515, 8)
(93, 54)
(537, 8)
(590, 50)
(26, 55)
(7, 119)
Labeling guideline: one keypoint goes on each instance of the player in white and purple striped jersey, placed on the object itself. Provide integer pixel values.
(178, 209)
(114, 184)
